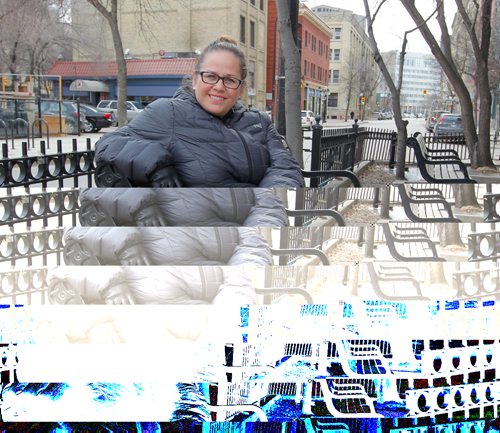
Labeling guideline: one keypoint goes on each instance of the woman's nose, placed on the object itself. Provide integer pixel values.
(219, 85)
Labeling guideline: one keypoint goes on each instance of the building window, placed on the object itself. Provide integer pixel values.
(333, 100)
(336, 32)
(252, 2)
(261, 5)
(331, 54)
(335, 76)
(243, 30)
(307, 38)
(336, 54)
(252, 34)
(313, 44)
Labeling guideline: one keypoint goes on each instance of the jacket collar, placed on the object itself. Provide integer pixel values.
(233, 115)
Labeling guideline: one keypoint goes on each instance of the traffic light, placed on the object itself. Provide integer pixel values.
(424, 91)
(363, 99)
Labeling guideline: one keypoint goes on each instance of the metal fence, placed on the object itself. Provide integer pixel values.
(342, 149)
(59, 169)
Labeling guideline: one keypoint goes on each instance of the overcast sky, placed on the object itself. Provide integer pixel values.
(393, 21)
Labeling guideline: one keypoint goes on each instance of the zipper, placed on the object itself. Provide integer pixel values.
(203, 283)
(219, 246)
(235, 205)
(247, 151)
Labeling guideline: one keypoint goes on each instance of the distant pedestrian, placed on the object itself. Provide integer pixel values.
(203, 137)
(352, 115)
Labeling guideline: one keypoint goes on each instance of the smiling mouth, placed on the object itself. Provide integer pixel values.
(217, 98)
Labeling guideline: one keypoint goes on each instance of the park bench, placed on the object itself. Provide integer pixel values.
(424, 204)
(399, 278)
(438, 165)
(491, 214)
(410, 244)
(345, 400)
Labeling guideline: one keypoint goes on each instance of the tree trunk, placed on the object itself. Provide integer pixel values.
(395, 93)
(479, 148)
(465, 196)
(291, 55)
(436, 273)
(449, 235)
(111, 17)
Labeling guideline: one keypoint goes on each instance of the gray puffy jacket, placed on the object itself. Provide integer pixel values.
(172, 245)
(243, 149)
(164, 285)
(189, 207)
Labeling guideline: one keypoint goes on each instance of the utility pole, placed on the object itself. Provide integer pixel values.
(294, 23)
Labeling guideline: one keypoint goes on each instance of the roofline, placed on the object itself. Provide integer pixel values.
(311, 16)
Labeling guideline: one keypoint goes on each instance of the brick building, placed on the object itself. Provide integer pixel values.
(314, 43)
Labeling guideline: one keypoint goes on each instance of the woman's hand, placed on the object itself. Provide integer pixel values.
(134, 255)
(117, 294)
(150, 216)
(165, 177)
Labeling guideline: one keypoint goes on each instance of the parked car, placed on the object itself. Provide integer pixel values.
(449, 124)
(95, 119)
(69, 111)
(307, 119)
(432, 119)
(111, 106)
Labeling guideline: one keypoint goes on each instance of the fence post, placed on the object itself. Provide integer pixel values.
(385, 202)
(316, 150)
(370, 241)
(392, 151)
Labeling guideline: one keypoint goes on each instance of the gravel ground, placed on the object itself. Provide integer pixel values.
(360, 214)
(377, 174)
(345, 251)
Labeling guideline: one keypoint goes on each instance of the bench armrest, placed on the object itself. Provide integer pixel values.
(337, 216)
(335, 173)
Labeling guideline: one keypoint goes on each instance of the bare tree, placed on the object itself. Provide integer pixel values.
(394, 88)
(109, 10)
(32, 35)
(478, 143)
(350, 81)
(291, 55)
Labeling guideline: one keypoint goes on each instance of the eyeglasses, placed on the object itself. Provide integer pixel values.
(213, 78)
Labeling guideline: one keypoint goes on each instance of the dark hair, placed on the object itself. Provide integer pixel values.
(224, 43)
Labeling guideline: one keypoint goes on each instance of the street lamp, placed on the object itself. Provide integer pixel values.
(324, 98)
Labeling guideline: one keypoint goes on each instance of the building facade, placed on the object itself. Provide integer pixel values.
(93, 81)
(313, 36)
(166, 28)
(422, 82)
(352, 70)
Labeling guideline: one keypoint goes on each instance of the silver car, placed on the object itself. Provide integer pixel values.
(111, 106)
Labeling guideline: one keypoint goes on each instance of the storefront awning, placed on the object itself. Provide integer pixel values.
(88, 86)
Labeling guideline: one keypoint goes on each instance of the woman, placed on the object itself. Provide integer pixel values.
(203, 137)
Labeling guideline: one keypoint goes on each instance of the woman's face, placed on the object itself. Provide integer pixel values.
(216, 98)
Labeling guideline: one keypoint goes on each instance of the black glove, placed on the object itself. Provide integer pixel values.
(133, 255)
(150, 216)
(165, 177)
